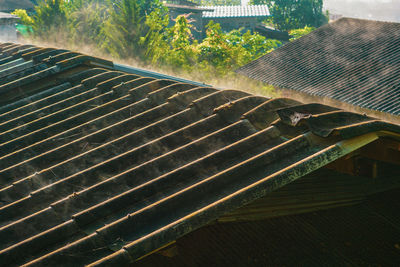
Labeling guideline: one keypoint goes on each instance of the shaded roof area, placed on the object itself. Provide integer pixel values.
(236, 11)
(350, 60)
(11, 5)
(101, 167)
(362, 235)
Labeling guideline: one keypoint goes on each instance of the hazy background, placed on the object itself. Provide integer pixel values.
(385, 10)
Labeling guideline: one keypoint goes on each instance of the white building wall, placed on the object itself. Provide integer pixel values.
(8, 33)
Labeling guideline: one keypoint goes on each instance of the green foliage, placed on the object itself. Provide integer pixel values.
(181, 33)
(50, 17)
(123, 29)
(25, 18)
(170, 47)
(295, 14)
(297, 33)
(260, 2)
(215, 49)
(253, 45)
(148, 6)
(181, 53)
(227, 51)
(74, 5)
(26, 22)
(155, 40)
(86, 22)
(127, 29)
(218, 54)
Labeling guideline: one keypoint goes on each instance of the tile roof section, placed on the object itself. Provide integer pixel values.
(350, 60)
(99, 167)
(236, 11)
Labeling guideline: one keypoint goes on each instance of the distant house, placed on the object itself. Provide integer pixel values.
(229, 17)
(347, 62)
(8, 32)
(235, 17)
(11, 5)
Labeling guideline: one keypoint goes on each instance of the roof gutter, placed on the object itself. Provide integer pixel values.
(147, 73)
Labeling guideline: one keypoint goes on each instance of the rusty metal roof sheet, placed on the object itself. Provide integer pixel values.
(101, 167)
(350, 60)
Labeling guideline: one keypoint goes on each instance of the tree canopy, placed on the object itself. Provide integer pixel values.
(139, 30)
(295, 14)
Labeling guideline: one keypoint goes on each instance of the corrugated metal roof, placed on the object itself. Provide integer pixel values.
(350, 60)
(6, 16)
(11, 5)
(101, 167)
(236, 11)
